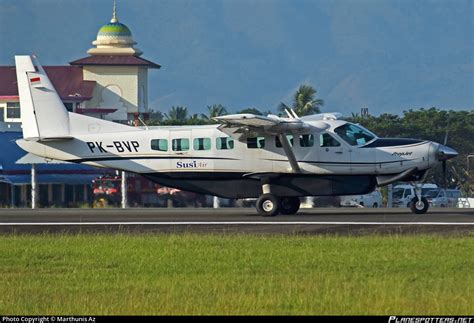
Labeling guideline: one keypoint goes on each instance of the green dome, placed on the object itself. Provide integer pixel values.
(114, 29)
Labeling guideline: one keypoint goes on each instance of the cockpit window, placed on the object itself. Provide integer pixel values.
(354, 135)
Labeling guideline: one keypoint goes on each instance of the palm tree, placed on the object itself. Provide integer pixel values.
(177, 114)
(214, 110)
(304, 101)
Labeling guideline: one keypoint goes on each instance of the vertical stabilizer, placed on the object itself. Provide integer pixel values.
(43, 115)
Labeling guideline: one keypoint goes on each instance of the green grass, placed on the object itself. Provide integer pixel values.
(235, 274)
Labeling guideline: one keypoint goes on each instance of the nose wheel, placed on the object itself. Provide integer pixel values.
(419, 206)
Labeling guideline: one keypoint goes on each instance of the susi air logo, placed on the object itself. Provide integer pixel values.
(191, 164)
(402, 154)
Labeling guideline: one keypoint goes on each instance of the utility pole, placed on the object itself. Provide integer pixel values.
(124, 190)
(34, 187)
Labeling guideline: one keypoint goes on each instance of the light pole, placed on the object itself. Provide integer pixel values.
(468, 156)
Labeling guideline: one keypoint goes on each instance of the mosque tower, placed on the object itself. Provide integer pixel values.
(120, 73)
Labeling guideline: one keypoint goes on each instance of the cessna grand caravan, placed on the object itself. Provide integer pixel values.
(274, 159)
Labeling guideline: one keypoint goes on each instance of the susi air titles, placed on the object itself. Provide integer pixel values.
(191, 164)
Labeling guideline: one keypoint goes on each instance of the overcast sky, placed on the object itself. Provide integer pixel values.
(388, 56)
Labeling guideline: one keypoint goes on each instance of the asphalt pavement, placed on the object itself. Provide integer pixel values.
(340, 221)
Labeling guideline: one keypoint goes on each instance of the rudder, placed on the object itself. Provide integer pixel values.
(43, 115)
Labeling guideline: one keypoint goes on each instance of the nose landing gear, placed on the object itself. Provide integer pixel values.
(419, 204)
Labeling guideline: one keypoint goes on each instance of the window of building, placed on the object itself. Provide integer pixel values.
(306, 140)
(278, 142)
(256, 142)
(13, 110)
(202, 143)
(224, 143)
(159, 144)
(180, 144)
(326, 140)
(2, 114)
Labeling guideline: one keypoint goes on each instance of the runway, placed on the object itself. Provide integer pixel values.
(341, 221)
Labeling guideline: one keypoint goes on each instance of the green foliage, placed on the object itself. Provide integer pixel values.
(304, 102)
(434, 125)
(213, 111)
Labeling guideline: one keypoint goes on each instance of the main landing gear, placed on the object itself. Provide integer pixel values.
(269, 204)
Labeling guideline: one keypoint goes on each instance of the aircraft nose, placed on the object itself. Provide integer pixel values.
(445, 153)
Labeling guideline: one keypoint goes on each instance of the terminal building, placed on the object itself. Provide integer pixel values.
(110, 83)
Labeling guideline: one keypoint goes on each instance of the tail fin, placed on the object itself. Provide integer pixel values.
(43, 115)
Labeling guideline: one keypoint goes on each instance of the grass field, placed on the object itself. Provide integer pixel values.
(235, 274)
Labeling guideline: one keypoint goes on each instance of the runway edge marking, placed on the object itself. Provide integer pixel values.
(171, 223)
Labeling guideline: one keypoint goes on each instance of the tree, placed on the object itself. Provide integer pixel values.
(214, 110)
(177, 115)
(304, 102)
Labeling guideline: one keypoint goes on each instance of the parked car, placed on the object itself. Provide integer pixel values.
(373, 199)
(403, 194)
(443, 198)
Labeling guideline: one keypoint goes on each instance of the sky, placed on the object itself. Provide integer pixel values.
(388, 56)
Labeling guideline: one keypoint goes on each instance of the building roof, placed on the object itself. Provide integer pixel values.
(67, 80)
(114, 60)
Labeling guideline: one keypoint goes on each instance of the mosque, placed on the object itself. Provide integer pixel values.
(110, 83)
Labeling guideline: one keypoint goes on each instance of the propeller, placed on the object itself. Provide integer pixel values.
(445, 153)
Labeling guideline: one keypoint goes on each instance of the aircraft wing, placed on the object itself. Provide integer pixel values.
(246, 125)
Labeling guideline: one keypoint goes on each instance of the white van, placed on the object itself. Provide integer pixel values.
(373, 199)
(403, 194)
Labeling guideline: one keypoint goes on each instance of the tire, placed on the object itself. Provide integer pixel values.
(268, 205)
(419, 207)
(289, 205)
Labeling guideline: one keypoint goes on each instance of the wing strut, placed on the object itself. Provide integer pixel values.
(289, 153)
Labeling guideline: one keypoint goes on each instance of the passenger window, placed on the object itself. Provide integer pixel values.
(306, 140)
(278, 142)
(256, 142)
(159, 144)
(202, 143)
(326, 140)
(224, 143)
(180, 144)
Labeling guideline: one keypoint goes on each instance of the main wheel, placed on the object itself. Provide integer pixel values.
(268, 205)
(419, 207)
(290, 205)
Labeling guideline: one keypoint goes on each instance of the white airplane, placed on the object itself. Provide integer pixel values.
(275, 159)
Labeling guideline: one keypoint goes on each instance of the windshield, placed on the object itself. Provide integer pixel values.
(426, 190)
(432, 193)
(354, 135)
(398, 193)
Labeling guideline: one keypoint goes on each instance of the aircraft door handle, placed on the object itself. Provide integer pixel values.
(338, 152)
